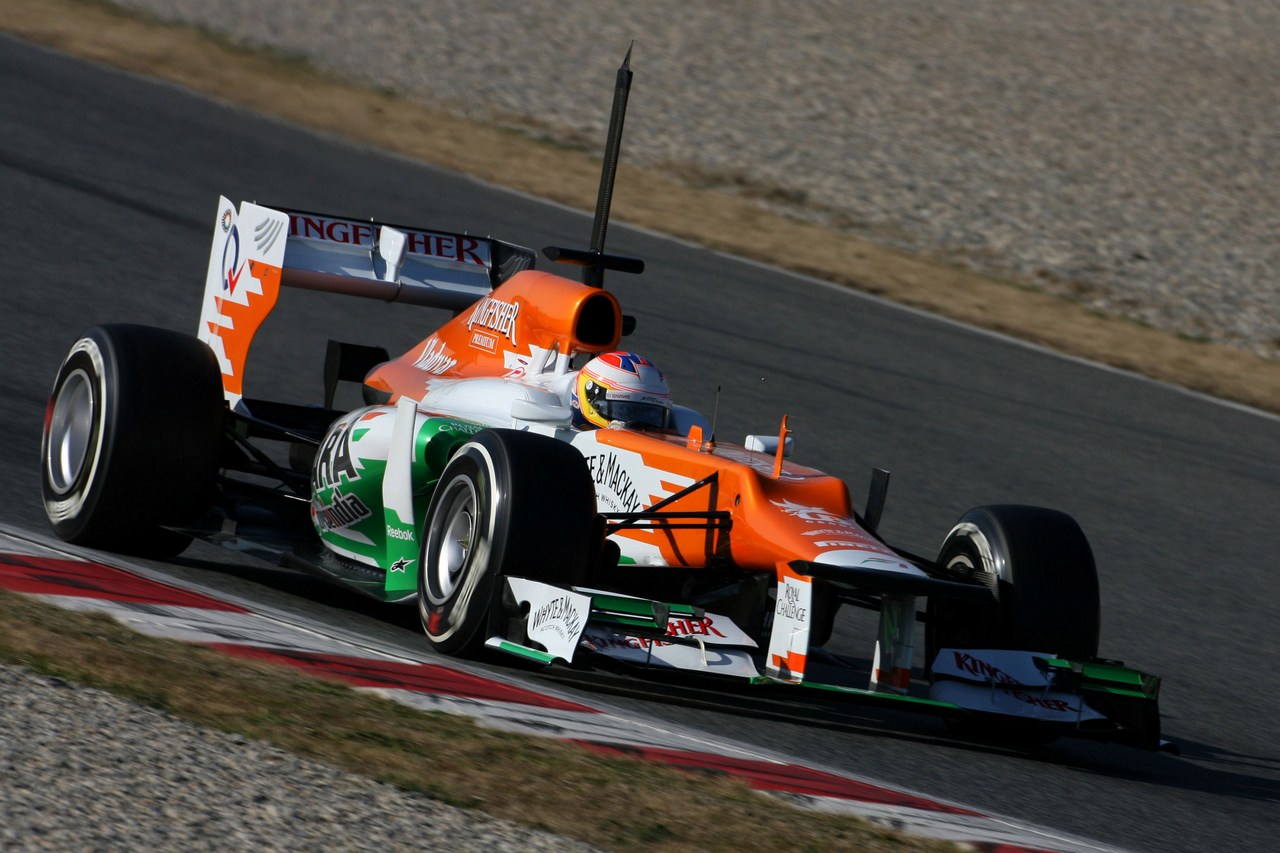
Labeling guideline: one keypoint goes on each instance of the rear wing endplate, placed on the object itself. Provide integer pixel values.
(259, 249)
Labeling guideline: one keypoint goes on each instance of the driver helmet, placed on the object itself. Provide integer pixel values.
(623, 387)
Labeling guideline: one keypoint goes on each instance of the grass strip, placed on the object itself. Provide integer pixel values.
(615, 803)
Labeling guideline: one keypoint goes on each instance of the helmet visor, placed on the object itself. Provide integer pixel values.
(633, 414)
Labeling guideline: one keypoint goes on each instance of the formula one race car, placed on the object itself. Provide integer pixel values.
(551, 509)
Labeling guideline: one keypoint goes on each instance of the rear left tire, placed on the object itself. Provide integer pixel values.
(131, 438)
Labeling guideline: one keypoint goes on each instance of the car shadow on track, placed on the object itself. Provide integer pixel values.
(301, 585)
(1202, 767)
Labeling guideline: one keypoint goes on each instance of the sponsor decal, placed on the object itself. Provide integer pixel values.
(987, 671)
(400, 565)
(845, 534)
(460, 426)
(232, 266)
(496, 315)
(227, 217)
(344, 511)
(558, 615)
(713, 653)
(980, 668)
(433, 358)
(335, 459)
(400, 533)
(790, 604)
(704, 627)
(1047, 702)
(625, 483)
(330, 230)
(599, 642)
(608, 473)
(789, 637)
(449, 247)
(481, 341)
(265, 234)
(816, 515)
(465, 250)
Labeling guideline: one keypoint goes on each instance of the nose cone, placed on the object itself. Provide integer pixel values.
(863, 558)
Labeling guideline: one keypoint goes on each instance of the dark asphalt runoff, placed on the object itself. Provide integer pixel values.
(110, 185)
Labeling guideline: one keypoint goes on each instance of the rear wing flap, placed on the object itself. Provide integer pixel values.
(258, 249)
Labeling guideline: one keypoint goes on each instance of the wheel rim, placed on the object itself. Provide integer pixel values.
(453, 531)
(71, 432)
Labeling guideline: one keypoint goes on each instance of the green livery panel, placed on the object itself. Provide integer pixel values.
(347, 487)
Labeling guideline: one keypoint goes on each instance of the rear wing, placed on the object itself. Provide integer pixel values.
(260, 249)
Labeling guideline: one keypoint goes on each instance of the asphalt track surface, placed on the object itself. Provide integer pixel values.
(110, 186)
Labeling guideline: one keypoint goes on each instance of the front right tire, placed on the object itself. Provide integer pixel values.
(1039, 564)
(1040, 568)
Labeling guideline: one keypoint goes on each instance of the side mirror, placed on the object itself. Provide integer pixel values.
(767, 444)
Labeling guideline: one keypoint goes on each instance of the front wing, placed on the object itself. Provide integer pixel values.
(1014, 690)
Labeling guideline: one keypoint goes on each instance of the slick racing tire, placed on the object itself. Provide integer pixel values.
(1039, 565)
(508, 503)
(131, 438)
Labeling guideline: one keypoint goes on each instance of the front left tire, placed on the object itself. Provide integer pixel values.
(508, 503)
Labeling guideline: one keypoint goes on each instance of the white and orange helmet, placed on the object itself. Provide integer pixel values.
(622, 386)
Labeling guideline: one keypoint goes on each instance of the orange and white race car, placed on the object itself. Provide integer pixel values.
(532, 487)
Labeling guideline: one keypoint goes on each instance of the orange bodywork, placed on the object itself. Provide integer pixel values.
(243, 317)
(778, 511)
(532, 318)
(796, 516)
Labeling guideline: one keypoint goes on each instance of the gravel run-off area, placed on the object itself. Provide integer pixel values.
(85, 770)
(1122, 154)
